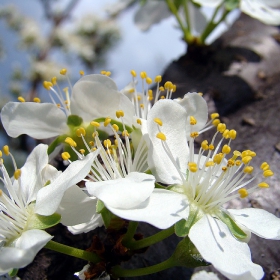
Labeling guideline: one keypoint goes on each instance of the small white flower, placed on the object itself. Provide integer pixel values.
(36, 188)
(205, 182)
(93, 96)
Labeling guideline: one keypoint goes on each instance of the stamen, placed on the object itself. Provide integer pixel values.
(21, 99)
(17, 174)
(65, 156)
(243, 193)
(161, 136)
(36, 99)
(263, 185)
(158, 121)
(71, 142)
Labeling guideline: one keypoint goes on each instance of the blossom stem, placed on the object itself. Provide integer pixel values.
(128, 237)
(118, 271)
(71, 251)
(134, 245)
(187, 34)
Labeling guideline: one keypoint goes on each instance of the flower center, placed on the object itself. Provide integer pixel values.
(117, 154)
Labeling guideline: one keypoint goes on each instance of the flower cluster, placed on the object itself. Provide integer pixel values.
(137, 155)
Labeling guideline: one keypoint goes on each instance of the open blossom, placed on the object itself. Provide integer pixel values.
(206, 181)
(266, 11)
(34, 191)
(92, 97)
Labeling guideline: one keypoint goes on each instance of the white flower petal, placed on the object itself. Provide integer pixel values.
(95, 222)
(162, 209)
(151, 12)
(123, 193)
(31, 180)
(264, 11)
(204, 275)
(216, 244)
(26, 247)
(96, 96)
(259, 221)
(76, 207)
(49, 197)
(196, 106)
(174, 118)
(38, 120)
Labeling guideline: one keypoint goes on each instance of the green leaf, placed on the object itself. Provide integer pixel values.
(187, 255)
(233, 227)
(42, 222)
(74, 120)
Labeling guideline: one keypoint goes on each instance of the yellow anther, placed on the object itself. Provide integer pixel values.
(95, 124)
(143, 75)
(158, 79)
(58, 105)
(246, 159)
(108, 73)
(161, 88)
(17, 174)
(139, 121)
(150, 93)
(174, 87)
(82, 151)
(236, 154)
(243, 193)
(252, 154)
(200, 93)
(80, 132)
(65, 155)
(47, 85)
(131, 90)
(162, 97)
(125, 133)
(6, 150)
(70, 142)
(158, 121)
(1, 154)
(214, 116)
(238, 162)
(193, 120)
(224, 168)
(119, 113)
(263, 185)
(93, 149)
(115, 127)
(161, 136)
(211, 147)
(216, 122)
(267, 173)
(107, 121)
(91, 143)
(95, 134)
(248, 169)
(221, 127)
(209, 163)
(82, 73)
(63, 71)
(192, 166)
(37, 99)
(53, 80)
(133, 73)
(264, 166)
(226, 149)
(142, 106)
(107, 143)
(139, 97)
(149, 80)
(226, 134)
(232, 134)
(102, 72)
(230, 163)
(21, 99)
(168, 85)
(116, 142)
(194, 134)
(204, 145)
(1, 192)
(218, 158)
